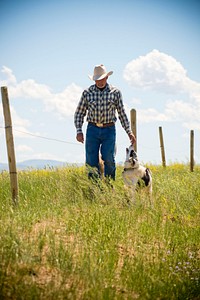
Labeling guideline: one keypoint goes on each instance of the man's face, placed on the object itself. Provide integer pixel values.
(101, 83)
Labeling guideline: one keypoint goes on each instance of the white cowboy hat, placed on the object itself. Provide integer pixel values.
(99, 73)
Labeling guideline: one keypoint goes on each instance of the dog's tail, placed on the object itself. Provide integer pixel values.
(101, 163)
(146, 178)
(101, 166)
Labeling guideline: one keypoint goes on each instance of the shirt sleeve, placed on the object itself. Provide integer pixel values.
(80, 113)
(122, 114)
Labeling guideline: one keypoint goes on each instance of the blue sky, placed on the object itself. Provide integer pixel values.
(48, 48)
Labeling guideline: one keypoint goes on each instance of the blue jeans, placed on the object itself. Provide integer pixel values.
(101, 140)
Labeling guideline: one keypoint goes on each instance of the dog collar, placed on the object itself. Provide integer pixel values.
(131, 168)
(127, 169)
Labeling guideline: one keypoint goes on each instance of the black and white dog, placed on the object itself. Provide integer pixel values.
(136, 175)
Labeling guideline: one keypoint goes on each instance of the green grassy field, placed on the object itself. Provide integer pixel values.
(72, 239)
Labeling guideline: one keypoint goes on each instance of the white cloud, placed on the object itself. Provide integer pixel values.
(44, 155)
(175, 111)
(162, 73)
(64, 103)
(29, 89)
(192, 125)
(180, 110)
(157, 71)
(10, 78)
(151, 115)
(136, 101)
(19, 124)
(27, 155)
(24, 148)
(17, 121)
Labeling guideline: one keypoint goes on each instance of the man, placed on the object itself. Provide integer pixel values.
(101, 101)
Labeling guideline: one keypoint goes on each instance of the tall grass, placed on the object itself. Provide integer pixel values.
(70, 238)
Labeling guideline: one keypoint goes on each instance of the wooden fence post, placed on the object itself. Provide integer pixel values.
(162, 147)
(192, 150)
(10, 145)
(134, 125)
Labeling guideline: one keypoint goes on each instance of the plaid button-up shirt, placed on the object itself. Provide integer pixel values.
(101, 107)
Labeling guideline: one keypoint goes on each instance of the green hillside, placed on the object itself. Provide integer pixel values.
(71, 238)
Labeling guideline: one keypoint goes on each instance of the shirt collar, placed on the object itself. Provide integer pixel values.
(95, 88)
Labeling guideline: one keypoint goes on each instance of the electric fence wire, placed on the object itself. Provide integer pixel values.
(78, 144)
(43, 137)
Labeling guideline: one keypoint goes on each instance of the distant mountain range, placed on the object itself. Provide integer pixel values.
(37, 164)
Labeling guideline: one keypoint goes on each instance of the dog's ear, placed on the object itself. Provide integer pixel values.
(132, 153)
(135, 155)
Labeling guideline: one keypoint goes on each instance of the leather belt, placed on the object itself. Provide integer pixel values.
(102, 124)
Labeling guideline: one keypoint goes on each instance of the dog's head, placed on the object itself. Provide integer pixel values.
(131, 161)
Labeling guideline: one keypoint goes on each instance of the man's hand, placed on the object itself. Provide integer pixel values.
(132, 138)
(80, 137)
